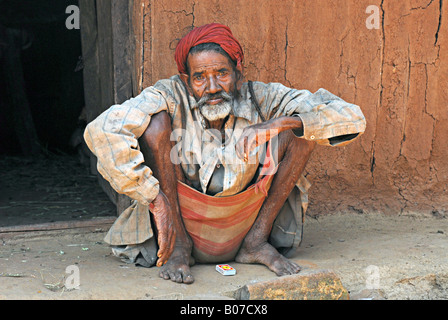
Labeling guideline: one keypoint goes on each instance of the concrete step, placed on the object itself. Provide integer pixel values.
(306, 285)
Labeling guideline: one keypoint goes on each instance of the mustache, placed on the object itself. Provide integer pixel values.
(227, 97)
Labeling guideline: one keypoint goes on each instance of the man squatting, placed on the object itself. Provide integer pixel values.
(214, 164)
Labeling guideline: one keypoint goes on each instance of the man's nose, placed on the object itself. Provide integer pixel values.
(213, 85)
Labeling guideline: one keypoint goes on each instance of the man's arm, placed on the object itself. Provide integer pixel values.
(113, 138)
(261, 133)
(325, 117)
(321, 117)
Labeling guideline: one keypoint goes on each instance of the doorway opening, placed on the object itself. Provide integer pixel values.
(44, 165)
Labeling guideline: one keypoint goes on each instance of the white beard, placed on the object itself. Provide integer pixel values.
(216, 112)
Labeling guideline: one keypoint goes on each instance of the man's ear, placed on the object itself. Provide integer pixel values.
(239, 77)
(186, 80)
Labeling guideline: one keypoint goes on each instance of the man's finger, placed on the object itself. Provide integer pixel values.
(245, 148)
(171, 242)
(252, 146)
(239, 148)
(161, 258)
(166, 247)
(160, 255)
(163, 246)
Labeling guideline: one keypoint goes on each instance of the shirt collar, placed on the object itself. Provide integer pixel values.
(242, 109)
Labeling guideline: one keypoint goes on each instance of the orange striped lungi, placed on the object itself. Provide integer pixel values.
(218, 225)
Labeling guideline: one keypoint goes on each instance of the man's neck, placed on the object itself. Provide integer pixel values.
(218, 124)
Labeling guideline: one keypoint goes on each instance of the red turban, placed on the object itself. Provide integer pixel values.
(214, 32)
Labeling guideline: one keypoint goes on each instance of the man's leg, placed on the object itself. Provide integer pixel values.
(156, 146)
(294, 154)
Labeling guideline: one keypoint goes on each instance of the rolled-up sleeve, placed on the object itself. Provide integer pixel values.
(113, 138)
(327, 119)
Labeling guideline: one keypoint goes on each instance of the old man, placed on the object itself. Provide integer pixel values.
(214, 164)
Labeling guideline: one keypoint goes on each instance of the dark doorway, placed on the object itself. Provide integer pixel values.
(44, 169)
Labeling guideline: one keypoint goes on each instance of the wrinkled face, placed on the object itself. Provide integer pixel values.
(213, 83)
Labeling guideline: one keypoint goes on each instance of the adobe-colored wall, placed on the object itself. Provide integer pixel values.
(398, 75)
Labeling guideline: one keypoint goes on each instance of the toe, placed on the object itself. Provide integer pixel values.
(164, 275)
(188, 279)
(293, 267)
(284, 267)
(177, 276)
(186, 276)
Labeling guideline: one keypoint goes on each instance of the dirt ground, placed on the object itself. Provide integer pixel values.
(375, 256)
(49, 188)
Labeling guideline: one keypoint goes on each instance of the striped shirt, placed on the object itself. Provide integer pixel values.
(113, 136)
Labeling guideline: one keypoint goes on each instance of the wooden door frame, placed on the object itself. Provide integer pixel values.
(112, 42)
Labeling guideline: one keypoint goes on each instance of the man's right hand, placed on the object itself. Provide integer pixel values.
(163, 217)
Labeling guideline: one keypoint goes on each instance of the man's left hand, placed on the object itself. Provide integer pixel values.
(255, 136)
(163, 216)
(260, 133)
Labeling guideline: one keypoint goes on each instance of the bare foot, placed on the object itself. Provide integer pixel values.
(177, 268)
(266, 254)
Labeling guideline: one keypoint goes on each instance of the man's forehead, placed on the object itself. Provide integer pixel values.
(208, 60)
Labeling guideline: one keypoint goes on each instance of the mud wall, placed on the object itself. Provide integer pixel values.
(396, 71)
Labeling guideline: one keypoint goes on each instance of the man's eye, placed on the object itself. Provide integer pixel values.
(222, 73)
(199, 78)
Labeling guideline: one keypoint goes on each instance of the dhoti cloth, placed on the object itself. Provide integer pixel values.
(217, 225)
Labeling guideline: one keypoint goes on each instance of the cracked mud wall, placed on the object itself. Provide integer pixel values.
(397, 73)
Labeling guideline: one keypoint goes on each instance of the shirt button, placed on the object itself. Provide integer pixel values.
(218, 166)
(312, 137)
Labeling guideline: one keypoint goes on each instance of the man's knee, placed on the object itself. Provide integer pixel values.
(289, 143)
(302, 145)
(158, 131)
